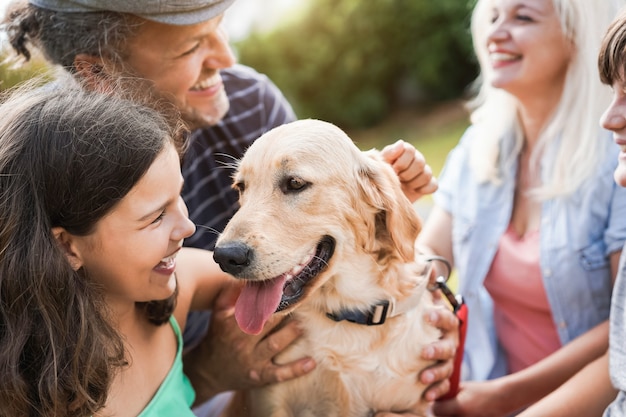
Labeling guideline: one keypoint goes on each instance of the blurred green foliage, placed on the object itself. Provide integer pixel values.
(434, 132)
(352, 62)
(13, 73)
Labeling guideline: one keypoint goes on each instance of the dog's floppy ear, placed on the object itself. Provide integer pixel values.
(397, 222)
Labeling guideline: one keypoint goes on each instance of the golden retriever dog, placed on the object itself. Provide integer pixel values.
(325, 233)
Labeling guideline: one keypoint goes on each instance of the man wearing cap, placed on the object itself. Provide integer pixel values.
(181, 50)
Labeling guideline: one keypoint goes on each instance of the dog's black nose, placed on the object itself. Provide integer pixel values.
(233, 257)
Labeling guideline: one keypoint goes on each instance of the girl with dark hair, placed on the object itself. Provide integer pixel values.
(94, 282)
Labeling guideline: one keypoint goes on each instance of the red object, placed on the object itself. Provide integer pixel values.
(461, 312)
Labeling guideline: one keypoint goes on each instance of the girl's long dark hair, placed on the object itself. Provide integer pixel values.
(67, 157)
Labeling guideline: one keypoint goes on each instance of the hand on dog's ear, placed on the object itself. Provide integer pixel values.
(410, 165)
(398, 219)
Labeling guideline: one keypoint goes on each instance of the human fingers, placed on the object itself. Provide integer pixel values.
(436, 376)
(442, 351)
(266, 370)
(423, 184)
(440, 374)
(415, 175)
(410, 165)
(409, 162)
(278, 338)
(273, 373)
(446, 321)
(406, 161)
(391, 152)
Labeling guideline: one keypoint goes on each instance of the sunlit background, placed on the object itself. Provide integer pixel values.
(247, 15)
(382, 70)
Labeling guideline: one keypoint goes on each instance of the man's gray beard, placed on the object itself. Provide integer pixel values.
(194, 120)
(142, 90)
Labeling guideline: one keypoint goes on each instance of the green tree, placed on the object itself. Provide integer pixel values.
(353, 61)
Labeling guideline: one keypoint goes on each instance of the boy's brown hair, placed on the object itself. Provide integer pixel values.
(612, 57)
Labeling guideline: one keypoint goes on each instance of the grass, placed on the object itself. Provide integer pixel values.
(13, 73)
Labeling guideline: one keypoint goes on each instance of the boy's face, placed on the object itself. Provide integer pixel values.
(614, 119)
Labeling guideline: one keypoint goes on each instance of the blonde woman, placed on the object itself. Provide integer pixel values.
(527, 208)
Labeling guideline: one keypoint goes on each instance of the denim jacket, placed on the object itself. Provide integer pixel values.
(577, 235)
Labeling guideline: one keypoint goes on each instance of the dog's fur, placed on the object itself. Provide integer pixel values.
(300, 184)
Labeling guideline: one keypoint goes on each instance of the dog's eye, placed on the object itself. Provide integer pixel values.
(293, 184)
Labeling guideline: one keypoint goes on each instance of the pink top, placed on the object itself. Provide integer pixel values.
(522, 314)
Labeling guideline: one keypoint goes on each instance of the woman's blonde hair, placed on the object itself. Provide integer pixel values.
(575, 121)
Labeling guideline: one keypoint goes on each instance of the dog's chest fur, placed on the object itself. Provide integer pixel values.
(360, 369)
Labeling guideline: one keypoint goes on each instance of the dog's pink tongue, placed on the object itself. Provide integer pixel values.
(257, 302)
